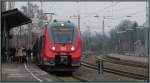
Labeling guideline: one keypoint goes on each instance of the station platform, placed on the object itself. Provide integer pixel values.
(136, 61)
(129, 58)
(19, 72)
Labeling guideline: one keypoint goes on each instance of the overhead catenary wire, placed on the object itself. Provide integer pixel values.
(129, 15)
(112, 5)
(53, 5)
(137, 12)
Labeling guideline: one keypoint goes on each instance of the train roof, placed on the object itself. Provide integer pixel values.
(56, 23)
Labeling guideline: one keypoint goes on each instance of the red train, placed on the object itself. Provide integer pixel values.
(59, 46)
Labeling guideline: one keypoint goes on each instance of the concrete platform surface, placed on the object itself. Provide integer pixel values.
(130, 58)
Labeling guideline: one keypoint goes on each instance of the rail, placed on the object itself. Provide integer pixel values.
(59, 76)
(123, 62)
(101, 69)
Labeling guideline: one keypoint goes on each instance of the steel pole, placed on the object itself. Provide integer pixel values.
(149, 28)
(28, 27)
(148, 38)
(79, 22)
(103, 25)
(41, 4)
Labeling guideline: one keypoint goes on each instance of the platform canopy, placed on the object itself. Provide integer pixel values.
(13, 18)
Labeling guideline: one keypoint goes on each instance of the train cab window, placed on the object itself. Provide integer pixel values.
(62, 35)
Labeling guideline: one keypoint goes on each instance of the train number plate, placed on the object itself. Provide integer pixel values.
(63, 48)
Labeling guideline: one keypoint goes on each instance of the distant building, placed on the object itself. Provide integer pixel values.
(3, 6)
(10, 5)
(7, 5)
(140, 48)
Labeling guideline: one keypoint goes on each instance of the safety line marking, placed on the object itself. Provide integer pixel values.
(32, 74)
(15, 75)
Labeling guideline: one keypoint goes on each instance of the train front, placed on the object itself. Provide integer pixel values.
(62, 46)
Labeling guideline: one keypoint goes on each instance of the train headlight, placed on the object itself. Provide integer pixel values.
(72, 48)
(53, 48)
(62, 24)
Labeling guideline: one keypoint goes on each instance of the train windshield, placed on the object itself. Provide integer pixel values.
(62, 35)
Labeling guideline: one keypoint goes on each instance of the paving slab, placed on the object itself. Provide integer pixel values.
(24, 73)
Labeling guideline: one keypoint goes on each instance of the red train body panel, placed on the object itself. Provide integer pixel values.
(56, 52)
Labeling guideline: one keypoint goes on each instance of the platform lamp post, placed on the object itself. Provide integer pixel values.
(96, 35)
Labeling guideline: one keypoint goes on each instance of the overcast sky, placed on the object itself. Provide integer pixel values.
(87, 11)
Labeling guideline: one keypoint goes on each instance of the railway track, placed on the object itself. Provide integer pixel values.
(70, 79)
(124, 62)
(118, 72)
(65, 76)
